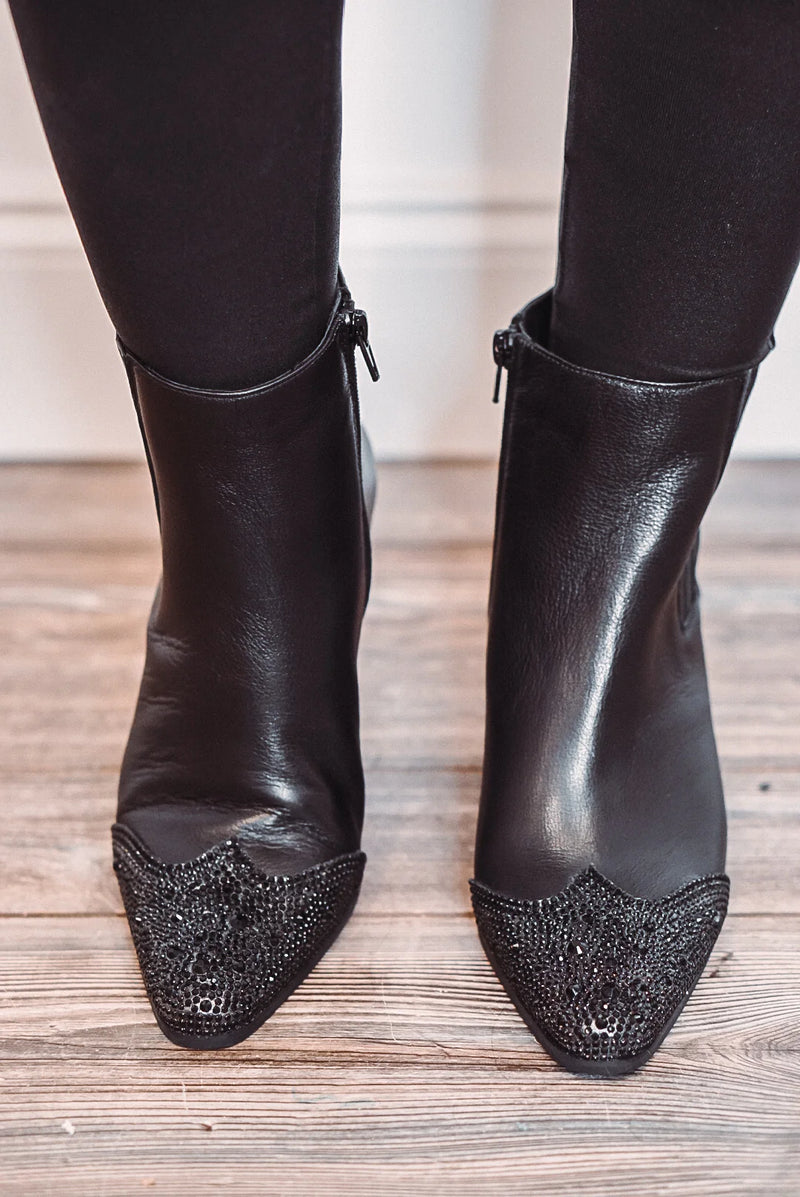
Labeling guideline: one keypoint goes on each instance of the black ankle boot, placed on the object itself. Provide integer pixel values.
(241, 797)
(600, 886)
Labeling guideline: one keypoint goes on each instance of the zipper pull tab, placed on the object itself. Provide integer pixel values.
(502, 345)
(361, 330)
(356, 321)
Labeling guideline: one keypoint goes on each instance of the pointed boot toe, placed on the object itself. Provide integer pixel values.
(221, 944)
(600, 976)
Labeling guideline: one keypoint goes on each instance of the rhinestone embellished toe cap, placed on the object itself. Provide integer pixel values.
(599, 972)
(219, 941)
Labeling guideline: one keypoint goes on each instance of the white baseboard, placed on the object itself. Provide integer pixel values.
(436, 276)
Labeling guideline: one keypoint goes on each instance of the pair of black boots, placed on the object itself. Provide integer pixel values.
(600, 886)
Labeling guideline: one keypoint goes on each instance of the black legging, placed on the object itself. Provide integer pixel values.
(680, 230)
(198, 145)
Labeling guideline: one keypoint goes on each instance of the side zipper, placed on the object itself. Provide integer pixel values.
(688, 590)
(502, 350)
(355, 321)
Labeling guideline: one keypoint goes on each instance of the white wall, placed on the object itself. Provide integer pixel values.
(453, 127)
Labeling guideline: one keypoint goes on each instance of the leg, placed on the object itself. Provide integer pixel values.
(600, 855)
(680, 226)
(198, 144)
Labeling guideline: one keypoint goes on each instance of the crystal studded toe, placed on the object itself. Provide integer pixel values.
(221, 944)
(598, 975)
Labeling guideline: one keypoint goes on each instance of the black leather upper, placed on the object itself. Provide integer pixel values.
(247, 719)
(599, 743)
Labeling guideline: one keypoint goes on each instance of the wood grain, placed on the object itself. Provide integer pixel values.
(419, 833)
(399, 1066)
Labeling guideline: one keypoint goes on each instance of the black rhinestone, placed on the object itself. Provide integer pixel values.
(203, 976)
(591, 1003)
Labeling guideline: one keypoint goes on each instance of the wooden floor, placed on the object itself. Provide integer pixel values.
(400, 1066)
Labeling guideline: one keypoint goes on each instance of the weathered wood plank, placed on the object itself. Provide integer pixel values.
(418, 502)
(676, 1165)
(413, 988)
(399, 1066)
(418, 1062)
(420, 827)
(71, 656)
(400, 1057)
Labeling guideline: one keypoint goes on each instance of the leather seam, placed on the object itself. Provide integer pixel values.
(673, 388)
(328, 338)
